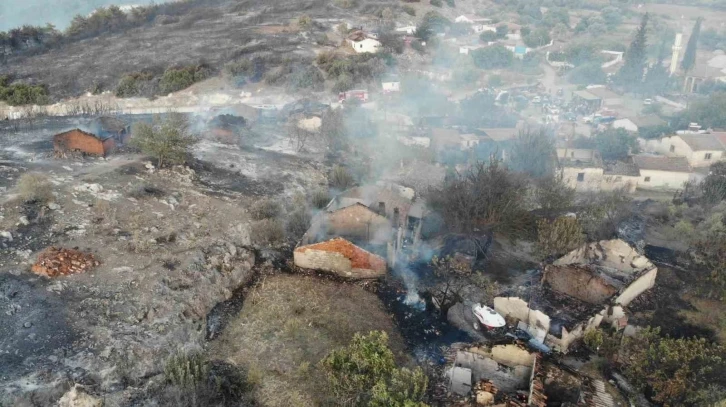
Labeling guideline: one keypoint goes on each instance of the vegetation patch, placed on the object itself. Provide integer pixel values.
(16, 94)
(288, 325)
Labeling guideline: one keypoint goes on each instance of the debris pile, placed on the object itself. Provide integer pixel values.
(54, 261)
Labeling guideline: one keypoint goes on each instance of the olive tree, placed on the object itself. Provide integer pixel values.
(168, 140)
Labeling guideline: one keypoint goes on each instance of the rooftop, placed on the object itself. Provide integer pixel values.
(661, 163)
(83, 132)
(650, 120)
(602, 93)
(501, 133)
(628, 169)
(702, 142)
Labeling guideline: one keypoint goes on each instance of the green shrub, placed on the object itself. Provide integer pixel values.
(343, 84)
(18, 94)
(186, 369)
(340, 178)
(298, 223)
(409, 10)
(35, 187)
(320, 198)
(240, 67)
(436, 3)
(267, 232)
(132, 84)
(176, 79)
(451, 3)
(345, 3)
(265, 209)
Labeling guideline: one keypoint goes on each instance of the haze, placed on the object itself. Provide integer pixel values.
(16, 13)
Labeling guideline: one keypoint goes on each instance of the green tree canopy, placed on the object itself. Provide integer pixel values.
(631, 74)
(494, 57)
(365, 374)
(168, 140)
(615, 144)
(533, 153)
(689, 57)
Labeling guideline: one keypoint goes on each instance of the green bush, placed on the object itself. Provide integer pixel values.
(343, 84)
(436, 3)
(18, 94)
(345, 3)
(365, 373)
(267, 232)
(320, 198)
(451, 3)
(176, 79)
(186, 370)
(298, 223)
(240, 67)
(409, 10)
(340, 178)
(265, 209)
(132, 84)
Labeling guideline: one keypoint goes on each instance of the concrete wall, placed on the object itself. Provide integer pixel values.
(627, 183)
(579, 282)
(516, 308)
(358, 222)
(637, 287)
(339, 263)
(592, 181)
(368, 45)
(665, 180)
(76, 140)
(582, 154)
(512, 356)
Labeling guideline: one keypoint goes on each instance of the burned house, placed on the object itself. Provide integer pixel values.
(578, 292)
(381, 219)
(111, 127)
(340, 257)
(77, 140)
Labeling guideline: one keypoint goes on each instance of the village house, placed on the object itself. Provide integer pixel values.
(478, 24)
(661, 172)
(77, 140)
(377, 218)
(581, 169)
(340, 257)
(700, 150)
(639, 123)
(363, 43)
(619, 175)
(445, 138)
(581, 290)
(391, 83)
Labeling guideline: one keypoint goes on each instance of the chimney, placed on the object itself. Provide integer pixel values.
(396, 219)
(382, 208)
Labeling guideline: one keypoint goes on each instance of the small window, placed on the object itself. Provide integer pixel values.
(708, 156)
(647, 179)
(673, 149)
(580, 177)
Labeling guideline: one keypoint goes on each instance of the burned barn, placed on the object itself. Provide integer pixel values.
(83, 142)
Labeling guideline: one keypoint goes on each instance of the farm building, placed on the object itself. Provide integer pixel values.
(83, 142)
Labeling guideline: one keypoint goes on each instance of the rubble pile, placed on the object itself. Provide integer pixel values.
(54, 261)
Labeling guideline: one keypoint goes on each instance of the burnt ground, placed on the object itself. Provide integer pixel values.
(212, 34)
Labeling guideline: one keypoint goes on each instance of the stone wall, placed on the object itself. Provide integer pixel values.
(342, 258)
(579, 282)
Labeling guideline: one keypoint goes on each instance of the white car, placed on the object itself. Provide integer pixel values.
(647, 102)
(488, 317)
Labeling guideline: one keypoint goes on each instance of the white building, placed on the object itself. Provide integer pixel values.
(478, 24)
(469, 141)
(700, 150)
(581, 169)
(666, 173)
(409, 29)
(391, 85)
(634, 124)
(368, 45)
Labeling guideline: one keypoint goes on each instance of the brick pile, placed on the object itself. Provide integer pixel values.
(54, 261)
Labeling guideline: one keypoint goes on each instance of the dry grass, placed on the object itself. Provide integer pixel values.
(35, 186)
(287, 325)
(710, 314)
